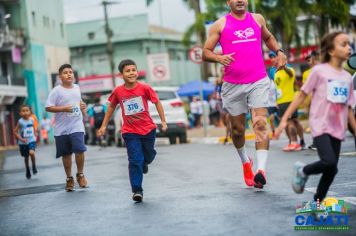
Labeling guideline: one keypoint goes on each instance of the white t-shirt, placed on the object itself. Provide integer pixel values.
(65, 122)
(196, 107)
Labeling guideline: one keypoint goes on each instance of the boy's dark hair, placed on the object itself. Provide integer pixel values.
(25, 105)
(62, 67)
(126, 62)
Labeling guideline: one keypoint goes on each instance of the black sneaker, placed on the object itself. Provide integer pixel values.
(145, 169)
(28, 174)
(312, 147)
(34, 170)
(137, 196)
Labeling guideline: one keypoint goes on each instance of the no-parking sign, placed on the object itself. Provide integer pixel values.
(196, 54)
(158, 65)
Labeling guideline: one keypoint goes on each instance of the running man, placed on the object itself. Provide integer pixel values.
(246, 84)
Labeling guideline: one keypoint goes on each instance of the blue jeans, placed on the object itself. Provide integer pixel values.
(140, 151)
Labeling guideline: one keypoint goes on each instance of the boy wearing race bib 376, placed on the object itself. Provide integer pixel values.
(26, 138)
(138, 129)
(66, 102)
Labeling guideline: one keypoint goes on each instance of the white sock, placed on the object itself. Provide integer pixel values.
(262, 156)
(243, 155)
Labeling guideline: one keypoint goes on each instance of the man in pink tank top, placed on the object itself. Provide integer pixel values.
(246, 85)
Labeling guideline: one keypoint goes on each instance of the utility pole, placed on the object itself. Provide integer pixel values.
(109, 47)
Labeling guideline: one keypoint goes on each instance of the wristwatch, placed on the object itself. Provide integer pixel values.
(279, 50)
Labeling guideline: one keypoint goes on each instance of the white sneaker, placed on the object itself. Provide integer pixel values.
(298, 181)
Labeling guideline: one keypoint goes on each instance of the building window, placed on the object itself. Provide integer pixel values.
(33, 18)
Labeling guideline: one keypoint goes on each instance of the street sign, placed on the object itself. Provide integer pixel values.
(158, 65)
(196, 54)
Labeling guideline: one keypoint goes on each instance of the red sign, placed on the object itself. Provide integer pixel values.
(196, 54)
(159, 71)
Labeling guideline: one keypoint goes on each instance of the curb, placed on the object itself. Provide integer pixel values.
(216, 140)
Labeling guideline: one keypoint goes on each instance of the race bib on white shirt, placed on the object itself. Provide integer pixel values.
(28, 132)
(338, 91)
(75, 111)
(133, 106)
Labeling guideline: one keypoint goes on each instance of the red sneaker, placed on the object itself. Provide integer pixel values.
(260, 179)
(248, 173)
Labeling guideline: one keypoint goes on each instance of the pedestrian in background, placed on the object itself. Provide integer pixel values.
(313, 59)
(35, 125)
(45, 129)
(138, 130)
(26, 138)
(331, 88)
(196, 108)
(66, 103)
(285, 81)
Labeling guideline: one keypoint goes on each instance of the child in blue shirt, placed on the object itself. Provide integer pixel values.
(25, 135)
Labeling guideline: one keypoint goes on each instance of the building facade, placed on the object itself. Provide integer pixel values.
(132, 38)
(33, 45)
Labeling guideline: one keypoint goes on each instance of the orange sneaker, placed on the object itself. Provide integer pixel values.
(260, 179)
(292, 147)
(248, 173)
(82, 181)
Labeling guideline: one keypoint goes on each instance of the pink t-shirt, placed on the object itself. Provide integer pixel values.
(134, 107)
(332, 94)
(243, 37)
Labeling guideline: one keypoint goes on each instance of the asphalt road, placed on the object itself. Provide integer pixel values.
(191, 189)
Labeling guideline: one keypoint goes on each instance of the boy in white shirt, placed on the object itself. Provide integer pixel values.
(65, 101)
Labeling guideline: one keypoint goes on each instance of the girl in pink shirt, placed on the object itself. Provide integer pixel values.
(331, 107)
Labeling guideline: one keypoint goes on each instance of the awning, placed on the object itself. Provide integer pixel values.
(8, 94)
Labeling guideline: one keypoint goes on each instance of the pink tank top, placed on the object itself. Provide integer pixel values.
(244, 38)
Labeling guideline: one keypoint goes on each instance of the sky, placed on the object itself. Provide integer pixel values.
(175, 14)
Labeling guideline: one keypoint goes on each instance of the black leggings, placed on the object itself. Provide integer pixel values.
(328, 151)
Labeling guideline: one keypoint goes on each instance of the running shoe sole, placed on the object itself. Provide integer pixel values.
(137, 197)
(260, 180)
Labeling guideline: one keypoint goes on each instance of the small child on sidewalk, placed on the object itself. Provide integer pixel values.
(25, 134)
(138, 130)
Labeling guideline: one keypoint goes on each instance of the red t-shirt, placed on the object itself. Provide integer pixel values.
(134, 107)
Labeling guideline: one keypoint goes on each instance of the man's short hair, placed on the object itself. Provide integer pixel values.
(62, 67)
(125, 62)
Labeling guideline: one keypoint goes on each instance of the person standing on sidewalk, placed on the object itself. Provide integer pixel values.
(246, 84)
(312, 59)
(138, 130)
(25, 135)
(285, 80)
(331, 106)
(65, 101)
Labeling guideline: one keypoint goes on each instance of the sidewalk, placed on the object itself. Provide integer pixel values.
(217, 134)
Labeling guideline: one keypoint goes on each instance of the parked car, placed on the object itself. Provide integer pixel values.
(176, 117)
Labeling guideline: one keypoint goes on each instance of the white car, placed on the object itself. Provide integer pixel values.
(176, 117)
